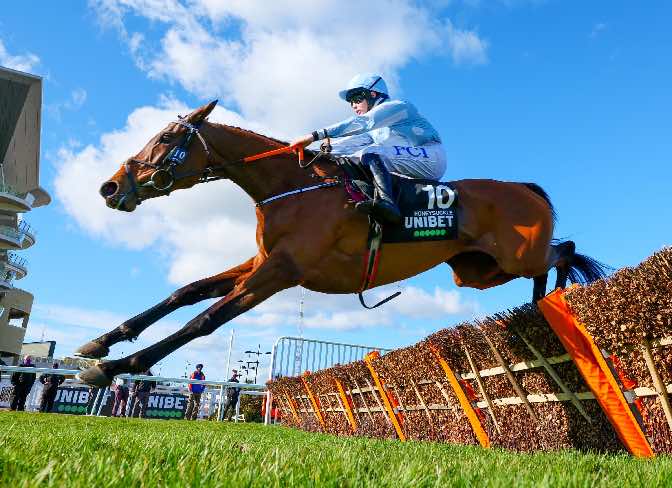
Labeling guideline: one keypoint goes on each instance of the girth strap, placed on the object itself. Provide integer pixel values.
(371, 264)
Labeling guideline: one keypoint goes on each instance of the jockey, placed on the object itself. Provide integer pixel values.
(384, 136)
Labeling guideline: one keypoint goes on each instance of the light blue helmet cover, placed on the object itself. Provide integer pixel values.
(368, 81)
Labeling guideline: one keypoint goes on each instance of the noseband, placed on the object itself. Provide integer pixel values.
(166, 170)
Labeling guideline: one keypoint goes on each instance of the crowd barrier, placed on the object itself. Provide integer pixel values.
(292, 355)
(587, 368)
(165, 402)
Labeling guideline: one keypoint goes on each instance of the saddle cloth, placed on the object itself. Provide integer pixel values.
(428, 207)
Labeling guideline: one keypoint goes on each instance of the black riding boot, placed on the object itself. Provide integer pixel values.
(382, 207)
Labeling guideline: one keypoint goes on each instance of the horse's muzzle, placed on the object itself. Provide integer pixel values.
(114, 198)
(108, 189)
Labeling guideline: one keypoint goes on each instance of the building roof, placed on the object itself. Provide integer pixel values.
(20, 124)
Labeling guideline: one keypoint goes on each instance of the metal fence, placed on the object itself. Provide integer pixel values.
(291, 356)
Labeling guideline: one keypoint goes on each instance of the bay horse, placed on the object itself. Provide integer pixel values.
(317, 239)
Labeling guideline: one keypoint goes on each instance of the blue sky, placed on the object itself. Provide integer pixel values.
(571, 95)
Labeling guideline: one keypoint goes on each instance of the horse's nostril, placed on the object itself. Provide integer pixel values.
(109, 188)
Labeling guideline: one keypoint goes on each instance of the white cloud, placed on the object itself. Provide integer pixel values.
(598, 29)
(285, 62)
(22, 62)
(77, 98)
(466, 46)
(344, 312)
(75, 102)
(66, 341)
(74, 316)
(71, 327)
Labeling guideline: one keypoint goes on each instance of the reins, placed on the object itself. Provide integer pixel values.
(274, 152)
(178, 154)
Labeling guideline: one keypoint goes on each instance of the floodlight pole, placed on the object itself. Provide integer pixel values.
(228, 359)
(220, 411)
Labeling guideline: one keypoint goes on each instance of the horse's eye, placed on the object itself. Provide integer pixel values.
(166, 138)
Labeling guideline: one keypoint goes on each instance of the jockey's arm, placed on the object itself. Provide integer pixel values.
(383, 115)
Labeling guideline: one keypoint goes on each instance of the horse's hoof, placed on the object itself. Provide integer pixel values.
(94, 376)
(92, 350)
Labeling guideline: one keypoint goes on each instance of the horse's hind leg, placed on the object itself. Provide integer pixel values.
(539, 290)
(275, 274)
(575, 267)
(565, 251)
(212, 287)
(561, 261)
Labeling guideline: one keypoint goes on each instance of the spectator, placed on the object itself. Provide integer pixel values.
(232, 395)
(131, 398)
(195, 392)
(120, 398)
(142, 389)
(23, 382)
(51, 383)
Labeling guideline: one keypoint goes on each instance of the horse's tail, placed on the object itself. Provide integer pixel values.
(580, 268)
(584, 269)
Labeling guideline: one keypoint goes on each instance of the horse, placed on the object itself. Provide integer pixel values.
(310, 234)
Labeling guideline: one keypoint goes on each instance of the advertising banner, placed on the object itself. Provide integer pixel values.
(159, 405)
(78, 400)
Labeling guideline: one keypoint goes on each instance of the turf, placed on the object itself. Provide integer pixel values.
(62, 450)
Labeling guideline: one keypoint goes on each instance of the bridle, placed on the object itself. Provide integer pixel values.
(167, 168)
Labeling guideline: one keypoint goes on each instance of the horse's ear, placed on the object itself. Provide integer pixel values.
(199, 115)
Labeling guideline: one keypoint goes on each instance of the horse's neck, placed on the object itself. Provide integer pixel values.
(262, 178)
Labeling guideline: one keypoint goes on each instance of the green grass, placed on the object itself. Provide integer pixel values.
(61, 450)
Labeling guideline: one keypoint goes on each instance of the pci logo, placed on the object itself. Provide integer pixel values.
(413, 151)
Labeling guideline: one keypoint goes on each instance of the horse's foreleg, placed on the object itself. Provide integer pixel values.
(273, 275)
(211, 287)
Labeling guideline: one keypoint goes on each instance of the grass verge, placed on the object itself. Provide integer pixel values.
(62, 450)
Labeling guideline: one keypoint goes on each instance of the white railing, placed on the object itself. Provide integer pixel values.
(16, 260)
(25, 229)
(4, 188)
(291, 356)
(314, 355)
(10, 232)
(104, 393)
(19, 233)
